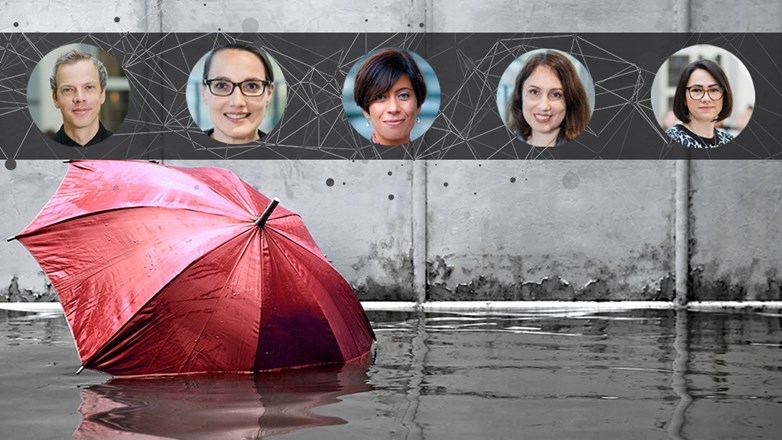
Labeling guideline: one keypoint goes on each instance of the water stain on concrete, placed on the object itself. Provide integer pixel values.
(12, 293)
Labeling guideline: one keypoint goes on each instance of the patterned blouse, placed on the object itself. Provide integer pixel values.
(682, 135)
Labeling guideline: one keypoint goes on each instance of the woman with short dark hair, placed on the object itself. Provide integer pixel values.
(390, 90)
(703, 98)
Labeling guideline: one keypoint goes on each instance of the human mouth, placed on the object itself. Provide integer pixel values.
(236, 116)
(394, 122)
(541, 117)
(81, 110)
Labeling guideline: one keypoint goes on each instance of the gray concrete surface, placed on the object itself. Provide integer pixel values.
(562, 230)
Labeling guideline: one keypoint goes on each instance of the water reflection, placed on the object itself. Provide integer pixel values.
(217, 406)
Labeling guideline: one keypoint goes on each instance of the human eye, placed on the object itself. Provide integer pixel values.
(533, 92)
(221, 85)
(252, 86)
(555, 95)
(404, 96)
(696, 90)
(66, 90)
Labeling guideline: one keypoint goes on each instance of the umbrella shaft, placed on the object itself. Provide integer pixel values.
(265, 216)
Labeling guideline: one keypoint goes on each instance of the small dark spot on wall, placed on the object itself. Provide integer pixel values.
(116, 19)
(250, 25)
(445, 184)
(390, 173)
(571, 180)
(10, 164)
(420, 25)
(329, 182)
(512, 180)
(16, 24)
(390, 197)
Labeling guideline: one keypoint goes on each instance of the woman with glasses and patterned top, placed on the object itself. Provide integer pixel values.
(237, 87)
(703, 98)
(549, 104)
(390, 90)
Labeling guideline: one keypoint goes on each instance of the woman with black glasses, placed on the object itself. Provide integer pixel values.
(703, 98)
(237, 87)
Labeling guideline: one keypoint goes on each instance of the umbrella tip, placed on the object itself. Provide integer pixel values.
(265, 216)
(11, 238)
(78, 372)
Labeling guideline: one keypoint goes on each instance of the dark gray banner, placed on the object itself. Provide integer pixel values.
(153, 102)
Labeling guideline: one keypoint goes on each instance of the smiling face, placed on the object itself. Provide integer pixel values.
(236, 117)
(79, 95)
(394, 113)
(543, 105)
(705, 109)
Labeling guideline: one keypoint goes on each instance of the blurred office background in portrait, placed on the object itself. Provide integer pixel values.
(664, 86)
(429, 109)
(39, 94)
(199, 110)
(508, 81)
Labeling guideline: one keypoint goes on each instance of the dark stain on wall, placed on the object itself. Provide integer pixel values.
(12, 293)
(733, 287)
(370, 290)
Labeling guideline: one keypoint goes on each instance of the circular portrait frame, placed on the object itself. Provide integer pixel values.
(52, 112)
(507, 86)
(668, 99)
(429, 109)
(274, 111)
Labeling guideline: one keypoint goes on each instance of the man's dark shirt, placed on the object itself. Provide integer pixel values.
(64, 139)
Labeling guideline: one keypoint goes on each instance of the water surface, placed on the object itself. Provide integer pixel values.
(655, 374)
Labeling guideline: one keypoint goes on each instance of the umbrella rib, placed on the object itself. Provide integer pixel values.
(222, 289)
(63, 221)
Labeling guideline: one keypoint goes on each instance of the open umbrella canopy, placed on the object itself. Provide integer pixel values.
(167, 270)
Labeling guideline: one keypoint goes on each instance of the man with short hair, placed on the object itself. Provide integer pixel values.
(78, 85)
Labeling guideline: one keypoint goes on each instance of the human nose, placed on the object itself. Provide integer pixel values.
(392, 106)
(236, 96)
(544, 103)
(79, 95)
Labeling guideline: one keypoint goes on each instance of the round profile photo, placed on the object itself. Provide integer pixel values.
(236, 93)
(703, 96)
(78, 95)
(546, 97)
(391, 96)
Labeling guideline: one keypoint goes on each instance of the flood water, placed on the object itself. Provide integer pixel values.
(653, 374)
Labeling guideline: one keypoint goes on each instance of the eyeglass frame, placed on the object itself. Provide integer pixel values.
(706, 91)
(234, 85)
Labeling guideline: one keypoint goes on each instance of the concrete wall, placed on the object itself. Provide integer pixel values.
(560, 230)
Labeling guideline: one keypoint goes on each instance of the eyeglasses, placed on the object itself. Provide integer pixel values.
(223, 87)
(696, 93)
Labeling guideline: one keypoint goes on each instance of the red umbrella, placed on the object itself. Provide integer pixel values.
(167, 270)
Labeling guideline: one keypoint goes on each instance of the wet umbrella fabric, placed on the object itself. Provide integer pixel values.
(163, 270)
